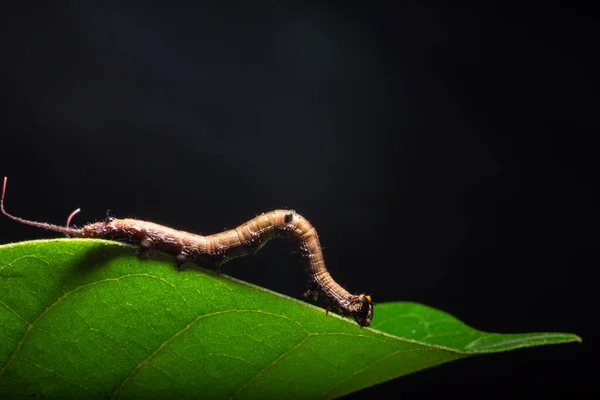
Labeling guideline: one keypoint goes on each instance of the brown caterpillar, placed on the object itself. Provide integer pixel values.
(222, 247)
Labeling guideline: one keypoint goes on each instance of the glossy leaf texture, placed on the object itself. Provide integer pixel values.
(88, 319)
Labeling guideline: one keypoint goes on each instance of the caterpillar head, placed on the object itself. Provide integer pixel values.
(361, 309)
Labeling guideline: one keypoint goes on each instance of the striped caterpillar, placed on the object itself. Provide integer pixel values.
(221, 247)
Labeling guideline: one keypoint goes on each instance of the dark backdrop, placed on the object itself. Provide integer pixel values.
(443, 154)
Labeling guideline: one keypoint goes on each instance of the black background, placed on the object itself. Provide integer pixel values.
(443, 154)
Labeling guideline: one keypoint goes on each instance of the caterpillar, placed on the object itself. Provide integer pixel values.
(219, 248)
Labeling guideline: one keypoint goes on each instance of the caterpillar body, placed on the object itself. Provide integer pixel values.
(221, 247)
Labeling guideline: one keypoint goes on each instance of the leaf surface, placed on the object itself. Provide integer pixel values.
(87, 319)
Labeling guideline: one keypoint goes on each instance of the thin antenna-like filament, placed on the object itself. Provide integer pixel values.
(66, 230)
(71, 217)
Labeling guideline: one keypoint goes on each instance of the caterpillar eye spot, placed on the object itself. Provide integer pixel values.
(288, 218)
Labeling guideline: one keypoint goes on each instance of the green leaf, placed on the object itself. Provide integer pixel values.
(87, 319)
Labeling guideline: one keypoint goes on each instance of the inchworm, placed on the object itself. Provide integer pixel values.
(222, 247)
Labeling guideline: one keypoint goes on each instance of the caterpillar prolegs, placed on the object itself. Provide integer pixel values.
(222, 247)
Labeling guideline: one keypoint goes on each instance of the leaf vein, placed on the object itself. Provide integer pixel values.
(56, 302)
(369, 365)
(266, 368)
(165, 343)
